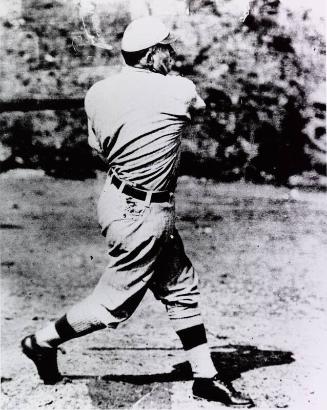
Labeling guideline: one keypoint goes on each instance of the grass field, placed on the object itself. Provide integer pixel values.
(261, 255)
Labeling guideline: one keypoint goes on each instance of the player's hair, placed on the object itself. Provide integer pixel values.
(164, 51)
(134, 57)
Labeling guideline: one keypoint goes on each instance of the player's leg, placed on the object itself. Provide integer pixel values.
(134, 241)
(176, 284)
(85, 317)
(89, 315)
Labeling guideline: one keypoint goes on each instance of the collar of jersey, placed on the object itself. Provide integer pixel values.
(130, 69)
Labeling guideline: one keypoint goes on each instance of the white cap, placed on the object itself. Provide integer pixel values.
(145, 32)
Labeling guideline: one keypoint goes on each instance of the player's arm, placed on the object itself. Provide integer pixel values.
(89, 104)
(197, 103)
(196, 106)
(92, 139)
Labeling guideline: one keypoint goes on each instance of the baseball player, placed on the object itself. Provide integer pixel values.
(135, 120)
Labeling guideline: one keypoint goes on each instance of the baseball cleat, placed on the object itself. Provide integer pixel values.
(44, 358)
(220, 390)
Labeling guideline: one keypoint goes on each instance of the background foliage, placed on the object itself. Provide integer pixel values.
(264, 122)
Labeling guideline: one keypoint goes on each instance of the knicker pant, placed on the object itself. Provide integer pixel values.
(145, 252)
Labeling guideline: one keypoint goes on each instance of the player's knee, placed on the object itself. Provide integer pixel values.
(102, 314)
(184, 316)
(182, 311)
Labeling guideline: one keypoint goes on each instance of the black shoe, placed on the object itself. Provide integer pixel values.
(44, 358)
(217, 389)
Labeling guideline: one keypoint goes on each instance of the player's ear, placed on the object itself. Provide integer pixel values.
(149, 57)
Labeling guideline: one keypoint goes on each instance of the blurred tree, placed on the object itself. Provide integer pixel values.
(256, 84)
(256, 78)
(19, 138)
(209, 6)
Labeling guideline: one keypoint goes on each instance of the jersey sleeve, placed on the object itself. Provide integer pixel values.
(93, 141)
(193, 99)
(196, 101)
(90, 105)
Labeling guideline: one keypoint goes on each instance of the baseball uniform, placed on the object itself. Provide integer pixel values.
(136, 119)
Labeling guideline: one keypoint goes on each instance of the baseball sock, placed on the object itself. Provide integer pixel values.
(61, 331)
(187, 322)
(195, 344)
(47, 336)
(83, 318)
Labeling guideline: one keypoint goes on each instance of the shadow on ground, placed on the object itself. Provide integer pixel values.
(122, 391)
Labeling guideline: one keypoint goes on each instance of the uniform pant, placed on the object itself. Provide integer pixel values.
(145, 252)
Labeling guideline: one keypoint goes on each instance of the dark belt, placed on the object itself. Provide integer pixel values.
(130, 190)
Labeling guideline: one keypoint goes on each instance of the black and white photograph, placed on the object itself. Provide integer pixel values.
(163, 207)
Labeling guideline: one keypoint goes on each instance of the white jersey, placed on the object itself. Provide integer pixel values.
(136, 120)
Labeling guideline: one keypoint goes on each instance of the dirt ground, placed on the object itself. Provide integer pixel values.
(261, 255)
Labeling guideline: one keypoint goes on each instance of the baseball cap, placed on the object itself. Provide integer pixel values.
(145, 32)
